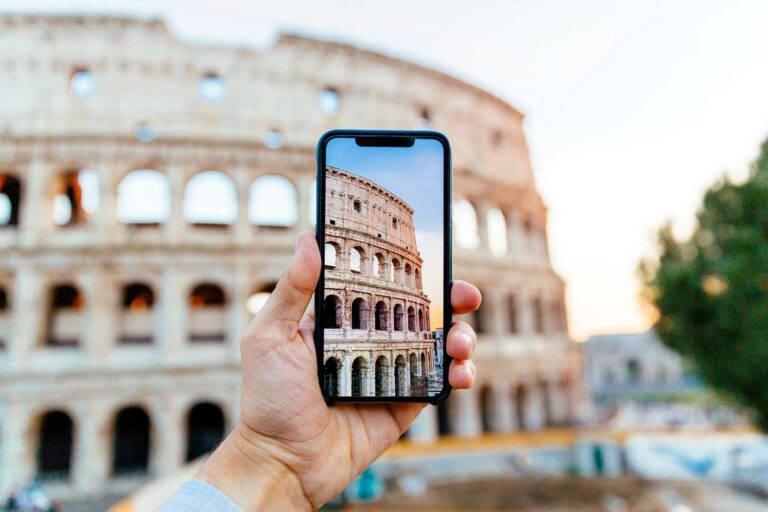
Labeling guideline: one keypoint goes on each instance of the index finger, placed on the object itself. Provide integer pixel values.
(465, 297)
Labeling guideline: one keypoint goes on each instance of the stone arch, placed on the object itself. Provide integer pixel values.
(486, 408)
(144, 198)
(331, 254)
(381, 376)
(399, 323)
(422, 322)
(210, 200)
(411, 319)
(415, 374)
(359, 376)
(273, 202)
(409, 275)
(496, 226)
(395, 271)
(10, 200)
(379, 265)
(331, 370)
(538, 315)
(333, 312)
(382, 316)
(417, 274)
(131, 442)
(465, 224)
(205, 429)
(357, 262)
(207, 313)
(75, 197)
(424, 366)
(547, 405)
(521, 406)
(136, 320)
(359, 313)
(55, 445)
(401, 388)
(65, 306)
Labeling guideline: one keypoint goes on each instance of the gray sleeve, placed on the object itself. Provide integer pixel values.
(197, 496)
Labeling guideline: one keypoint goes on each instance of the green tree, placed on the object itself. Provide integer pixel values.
(711, 291)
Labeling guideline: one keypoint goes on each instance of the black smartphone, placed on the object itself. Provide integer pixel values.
(382, 304)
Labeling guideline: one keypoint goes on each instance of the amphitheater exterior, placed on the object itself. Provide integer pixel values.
(120, 329)
(376, 314)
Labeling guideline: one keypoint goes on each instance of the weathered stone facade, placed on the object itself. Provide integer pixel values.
(376, 315)
(123, 332)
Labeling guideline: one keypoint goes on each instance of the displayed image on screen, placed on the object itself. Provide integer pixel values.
(383, 298)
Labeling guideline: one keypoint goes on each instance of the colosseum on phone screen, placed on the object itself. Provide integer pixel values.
(382, 309)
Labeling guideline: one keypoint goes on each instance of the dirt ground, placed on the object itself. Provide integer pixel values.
(571, 495)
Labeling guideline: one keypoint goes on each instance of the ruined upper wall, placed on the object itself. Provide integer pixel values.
(143, 74)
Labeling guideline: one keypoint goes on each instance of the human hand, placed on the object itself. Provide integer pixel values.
(290, 451)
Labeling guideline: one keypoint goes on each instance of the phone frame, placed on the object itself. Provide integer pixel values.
(447, 258)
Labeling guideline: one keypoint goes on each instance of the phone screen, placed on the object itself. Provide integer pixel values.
(385, 279)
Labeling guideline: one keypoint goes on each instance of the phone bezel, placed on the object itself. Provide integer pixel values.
(447, 258)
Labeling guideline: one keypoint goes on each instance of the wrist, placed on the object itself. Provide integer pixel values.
(248, 472)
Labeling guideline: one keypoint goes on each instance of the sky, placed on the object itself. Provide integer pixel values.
(632, 108)
(415, 174)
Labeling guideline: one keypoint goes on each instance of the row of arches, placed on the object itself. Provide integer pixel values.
(358, 261)
(372, 315)
(144, 198)
(207, 306)
(407, 376)
(500, 232)
(132, 435)
(522, 315)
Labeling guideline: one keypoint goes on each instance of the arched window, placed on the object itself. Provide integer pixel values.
(538, 316)
(395, 271)
(379, 265)
(422, 322)
(413, 363)
(382, 376)
(357, 260)
(331, 377)
(514, 326)
(207, 313)
(212, 87)
(399, 325)
(359, 314)
(257, 300)
(130, 448)
(54, 446)
(418, 279)
(633, 371)
(497, 232)
(359, 376)
(3, 300)
(75, 197)
(408, 275)
(521, 405)
(331, 254)
(400, 383)
(465, 225)
(274, 139)
(382, 320)
(210, 199)
(547, 404)
(411, 319)
(332, 312)
(137, 322)
(144, 198)
(272, 202)
(81, 83)
(65, 305)
(205, 429)
(10, 200)
(486, 408)
(330, 101)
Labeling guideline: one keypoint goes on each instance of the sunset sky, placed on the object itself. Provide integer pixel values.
(632, 108)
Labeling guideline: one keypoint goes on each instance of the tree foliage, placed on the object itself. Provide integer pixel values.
(711, 291)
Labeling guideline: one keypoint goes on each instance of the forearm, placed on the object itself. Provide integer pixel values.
(252, 477)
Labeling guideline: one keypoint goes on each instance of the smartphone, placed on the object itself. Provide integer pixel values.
(382, 304)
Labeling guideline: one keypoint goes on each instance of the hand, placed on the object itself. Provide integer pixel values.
(290, 451)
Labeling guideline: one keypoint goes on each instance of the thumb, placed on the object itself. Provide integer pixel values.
(285, 307)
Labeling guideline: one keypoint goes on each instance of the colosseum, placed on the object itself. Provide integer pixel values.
(376, 316)
(138, 178)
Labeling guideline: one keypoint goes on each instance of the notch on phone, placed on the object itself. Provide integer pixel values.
(385, 142)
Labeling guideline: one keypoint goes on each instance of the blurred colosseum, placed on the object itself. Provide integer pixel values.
(137, 174)
(376, 314)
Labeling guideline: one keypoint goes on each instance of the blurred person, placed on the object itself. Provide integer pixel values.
(289, 450)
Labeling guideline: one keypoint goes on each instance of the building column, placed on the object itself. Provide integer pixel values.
(345, 375)
(167, 451)
(175, 226)
(370, 378)
(515, 233)
(18, 447)
(502, 420)
(102, 307)
(481, 211)
(465, 414)
(30, 296)
(92, 446)
(106, 221)
(32, 221)
(526, 313)
(242, 226)
(174, 309)
(238, 314)
(534, 408)
(391, 376)
(424, 428)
